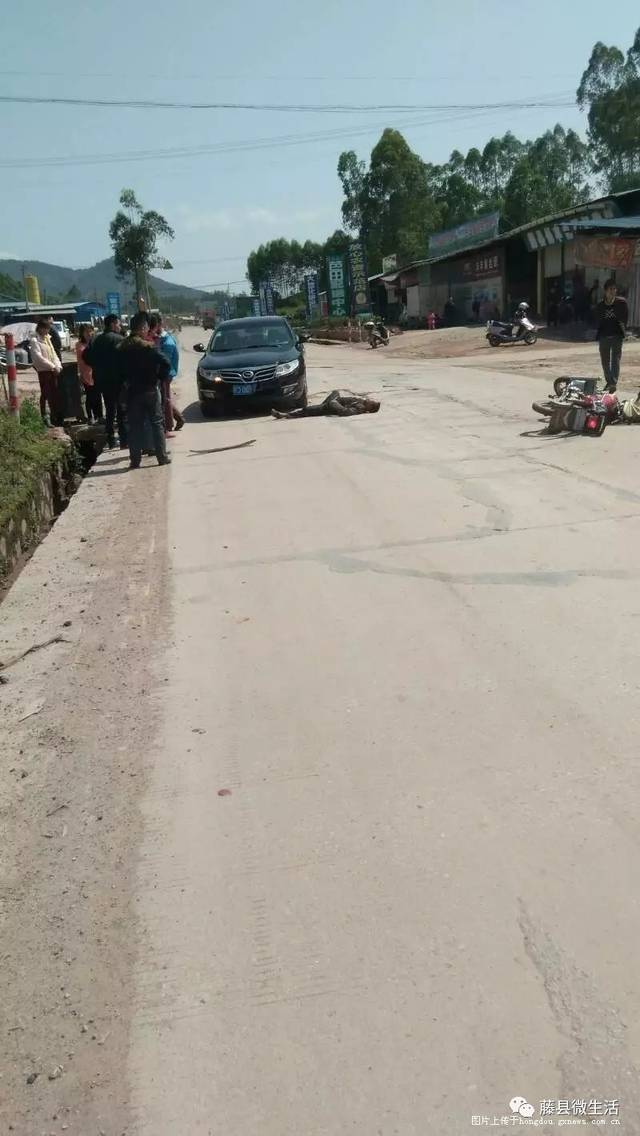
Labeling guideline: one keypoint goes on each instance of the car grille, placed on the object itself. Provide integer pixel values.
(260, 375)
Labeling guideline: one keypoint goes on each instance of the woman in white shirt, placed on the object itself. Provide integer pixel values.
(45, 361)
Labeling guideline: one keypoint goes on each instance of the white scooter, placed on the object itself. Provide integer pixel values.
(525, 331)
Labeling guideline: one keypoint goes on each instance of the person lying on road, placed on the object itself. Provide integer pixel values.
(340, 403)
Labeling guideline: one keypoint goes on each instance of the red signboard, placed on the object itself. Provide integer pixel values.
(605, 252)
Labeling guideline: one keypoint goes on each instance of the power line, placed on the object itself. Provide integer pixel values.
(210, 260)
(223, 285)
(253, 77)
(305, 108)
(240, 146)
(193, 151)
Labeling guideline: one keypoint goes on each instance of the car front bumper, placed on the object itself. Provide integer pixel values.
(276, 392)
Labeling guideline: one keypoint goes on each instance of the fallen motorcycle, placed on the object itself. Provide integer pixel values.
(578, 407)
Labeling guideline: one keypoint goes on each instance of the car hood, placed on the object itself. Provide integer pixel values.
(248, 360)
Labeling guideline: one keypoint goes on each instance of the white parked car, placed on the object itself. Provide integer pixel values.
(63, 332)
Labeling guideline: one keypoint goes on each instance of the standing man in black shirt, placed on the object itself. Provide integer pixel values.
(142, 371)
(612, 315)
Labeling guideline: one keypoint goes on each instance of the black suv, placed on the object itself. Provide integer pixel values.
(259, 360)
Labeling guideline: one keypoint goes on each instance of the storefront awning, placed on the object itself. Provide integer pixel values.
(606, 224)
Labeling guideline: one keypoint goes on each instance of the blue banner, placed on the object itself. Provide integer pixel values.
(113, 303)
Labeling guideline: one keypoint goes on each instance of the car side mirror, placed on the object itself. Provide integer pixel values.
(200, 348)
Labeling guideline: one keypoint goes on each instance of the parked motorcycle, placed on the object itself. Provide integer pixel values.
(525, 331)
(378, 334)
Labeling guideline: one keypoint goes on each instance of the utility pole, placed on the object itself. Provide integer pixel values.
(24, 286)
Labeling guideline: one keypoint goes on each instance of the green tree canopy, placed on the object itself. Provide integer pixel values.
(284, 263)
(550, 176)
(135, 234)
(352, 173)
(399, 200)
(398, 210)
(10, 289)
(610, 91)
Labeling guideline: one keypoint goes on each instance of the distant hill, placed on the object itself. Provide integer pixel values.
(93, 283)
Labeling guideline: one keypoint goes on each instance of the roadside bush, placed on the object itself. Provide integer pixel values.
(25, 453)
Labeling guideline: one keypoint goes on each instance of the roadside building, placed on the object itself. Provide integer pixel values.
(83, 311)
(555, 259)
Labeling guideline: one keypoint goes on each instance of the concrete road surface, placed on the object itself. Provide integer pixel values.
(370, 707)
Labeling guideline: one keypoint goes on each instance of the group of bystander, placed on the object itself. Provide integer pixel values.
(126, 381)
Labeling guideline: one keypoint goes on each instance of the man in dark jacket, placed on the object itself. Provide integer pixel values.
(142, 368)
(612, 316)
(102, 356)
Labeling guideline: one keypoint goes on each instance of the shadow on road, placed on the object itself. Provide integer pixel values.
(194, 416)
(545, 433)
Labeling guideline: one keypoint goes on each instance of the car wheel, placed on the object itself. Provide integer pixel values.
(303, 401)
(207, 410)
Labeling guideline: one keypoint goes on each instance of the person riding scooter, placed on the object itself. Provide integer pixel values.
(521, 319)
(378, 333)
(519, 330)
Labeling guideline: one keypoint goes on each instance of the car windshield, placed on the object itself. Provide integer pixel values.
(244, 337)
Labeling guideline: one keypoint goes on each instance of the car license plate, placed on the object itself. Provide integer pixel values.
(244, 388)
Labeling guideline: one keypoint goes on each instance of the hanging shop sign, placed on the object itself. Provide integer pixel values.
(360, 299)
(337, 285)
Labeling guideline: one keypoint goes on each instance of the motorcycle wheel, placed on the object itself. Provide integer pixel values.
(531, 338)
(543, 408)
(494, 340)
(560, 386)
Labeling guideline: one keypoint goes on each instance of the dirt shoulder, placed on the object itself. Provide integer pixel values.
(548, 358)
(77, 717)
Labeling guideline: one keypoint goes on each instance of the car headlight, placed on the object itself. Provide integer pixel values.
(287, 368)
(210, 376)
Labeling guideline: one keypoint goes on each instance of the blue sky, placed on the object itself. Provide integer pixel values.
(223, 205)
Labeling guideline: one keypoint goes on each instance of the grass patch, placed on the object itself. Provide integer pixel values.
(25, 454)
